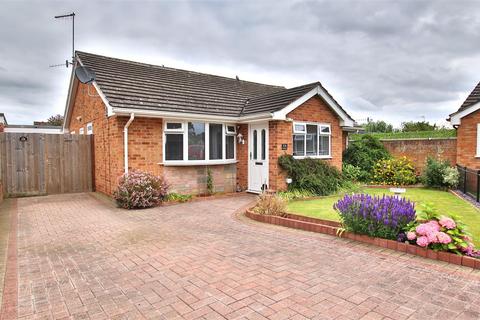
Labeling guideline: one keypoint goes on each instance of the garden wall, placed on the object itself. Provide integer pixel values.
(419, 150)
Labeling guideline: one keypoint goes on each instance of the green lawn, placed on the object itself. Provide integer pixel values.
(443, 201)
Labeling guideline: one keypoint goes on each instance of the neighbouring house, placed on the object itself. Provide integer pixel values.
(179, 123)
(35, 128)
(467, 122)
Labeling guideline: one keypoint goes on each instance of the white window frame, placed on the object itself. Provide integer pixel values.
(478, 141)
(81, 131)
(319, 134)
(207, 161)
(89, 128)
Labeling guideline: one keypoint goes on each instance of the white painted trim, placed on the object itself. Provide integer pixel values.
(104, 99)
(179, 163)
(478, 139)
(456, 118)
(345, 119)
(259, 156)
(34, 130)
(319, 134)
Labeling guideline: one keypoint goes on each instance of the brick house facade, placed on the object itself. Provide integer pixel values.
(467, 122)
(98, 109)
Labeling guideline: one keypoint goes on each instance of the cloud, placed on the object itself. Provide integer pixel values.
(395, 61)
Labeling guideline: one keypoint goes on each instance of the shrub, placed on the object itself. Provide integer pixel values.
(296, 194)
(436, 171)
(209, 181)
(271, 204)
(138, 189)
(364, 154)
(394, 172)
(451, 177)
(351, 173)
(384, 217)
(441, 233)
(316, 176)
(177, 197)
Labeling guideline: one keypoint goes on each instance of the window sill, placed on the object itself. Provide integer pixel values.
(313, 157)
(196, 163)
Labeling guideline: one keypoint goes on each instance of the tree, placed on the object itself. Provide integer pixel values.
(56, 120)
(378, 126)
(412, 126)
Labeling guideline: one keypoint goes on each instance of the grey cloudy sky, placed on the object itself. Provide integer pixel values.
(391, 60)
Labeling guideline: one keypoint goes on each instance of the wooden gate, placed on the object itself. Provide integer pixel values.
(39, 164)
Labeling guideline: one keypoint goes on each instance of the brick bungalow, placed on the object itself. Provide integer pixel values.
(179, 123)
(467, 122)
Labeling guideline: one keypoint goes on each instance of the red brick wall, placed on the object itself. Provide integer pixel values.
(467, 141)
(107, 137)
(2, 127)
(281, 132)
(418, 150)
(242, 158)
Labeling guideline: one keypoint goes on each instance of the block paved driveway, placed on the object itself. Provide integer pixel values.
(82, 258)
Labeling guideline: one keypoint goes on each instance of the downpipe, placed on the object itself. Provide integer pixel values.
(125, 141)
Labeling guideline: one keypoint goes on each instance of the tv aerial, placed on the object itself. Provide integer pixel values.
(67, 63)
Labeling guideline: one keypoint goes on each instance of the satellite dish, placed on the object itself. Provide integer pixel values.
(84, 74)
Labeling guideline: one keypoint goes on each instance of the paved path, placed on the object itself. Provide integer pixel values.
(80, 257)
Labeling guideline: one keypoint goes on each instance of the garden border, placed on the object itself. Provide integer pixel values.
(332, 228)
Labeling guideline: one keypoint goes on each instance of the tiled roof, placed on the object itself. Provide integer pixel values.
(137, 85)
(134, 85)
(472, 99)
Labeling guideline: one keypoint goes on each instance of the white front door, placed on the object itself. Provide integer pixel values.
(258, 157)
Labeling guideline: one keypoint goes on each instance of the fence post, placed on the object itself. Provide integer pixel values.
(478, 185)
(465, 180)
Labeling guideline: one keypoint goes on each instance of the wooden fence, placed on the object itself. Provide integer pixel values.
(39, 164)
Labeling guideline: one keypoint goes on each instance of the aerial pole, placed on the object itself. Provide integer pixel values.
(66, 16)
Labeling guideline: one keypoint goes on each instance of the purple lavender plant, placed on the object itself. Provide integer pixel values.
(376, 216)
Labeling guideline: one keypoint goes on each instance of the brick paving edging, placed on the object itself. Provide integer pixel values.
(10, 292)
(333, 228)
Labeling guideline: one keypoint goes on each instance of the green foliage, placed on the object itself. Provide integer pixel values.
(413, 126)
(56, 120)
(364, 154)
(378, 126)
(433, 175)
(271, 204)
(316, 176)
(295, 194)
(177, 197)
(394, 172)
(351, 173)
(451, 177)
(440, 133)
(209, 181)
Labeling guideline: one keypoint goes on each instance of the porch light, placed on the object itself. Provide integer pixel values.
(240, 139)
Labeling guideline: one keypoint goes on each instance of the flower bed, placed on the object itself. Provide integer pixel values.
(333, 228)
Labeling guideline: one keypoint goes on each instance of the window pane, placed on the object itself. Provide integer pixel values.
(174, 147)
(255, 144)
(230, 147)
(312, 134)
(263, 144)
(299, 128)
(215, 138)
(174, 126)
(231, 129)
(325, 129)
(324, 145)
(298, 145)
(196, 141)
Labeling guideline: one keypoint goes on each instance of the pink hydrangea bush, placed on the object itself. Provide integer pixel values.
(442, 234)
(138, 189)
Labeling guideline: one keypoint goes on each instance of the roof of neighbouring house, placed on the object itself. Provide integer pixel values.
(473, 98)
(134, 85)
(3, 119)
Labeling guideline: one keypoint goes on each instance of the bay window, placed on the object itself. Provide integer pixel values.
(190, 142)
(311, 140)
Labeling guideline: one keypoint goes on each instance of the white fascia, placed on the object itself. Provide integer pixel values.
(193, 116)
(345, 121)
(456, 118)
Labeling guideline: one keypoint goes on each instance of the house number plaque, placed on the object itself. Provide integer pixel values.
(284, 146)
